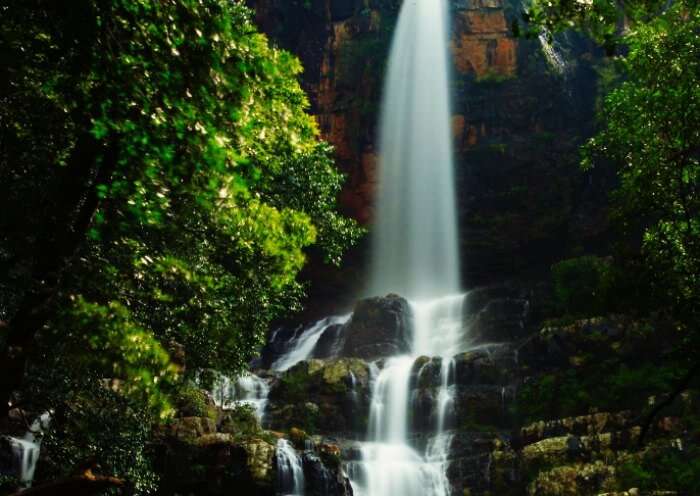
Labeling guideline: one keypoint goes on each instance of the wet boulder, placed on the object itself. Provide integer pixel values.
(324, 476)
(500, 320)
(211, 464)
(495, 366)
(321, 396)
(330, 343)
(379, 327)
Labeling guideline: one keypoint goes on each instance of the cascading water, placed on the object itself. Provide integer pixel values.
(290, 474)
(303, 345)
(26, 449)
(389, 464)
(248, 389)
(415, 252)
(414, 249)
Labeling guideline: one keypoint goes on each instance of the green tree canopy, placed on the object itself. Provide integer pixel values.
(160, 183)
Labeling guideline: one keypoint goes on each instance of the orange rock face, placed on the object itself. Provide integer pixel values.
(482, 44)
(484, 22)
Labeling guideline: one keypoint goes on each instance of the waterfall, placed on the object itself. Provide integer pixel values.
(438, 328)
(26, 449)
(390, 464)
(445, 394)
(414, 253)
(553, 53)
(395, 469)
(303, 345)
(290, 474)
(388, 414)
(247, 389)
(414, 250)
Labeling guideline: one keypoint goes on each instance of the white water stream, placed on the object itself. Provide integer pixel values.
(290, 474)
(27, 448)
(248, 389)
(390, 464)
(304, 344)
(414, 249)
(415, 254)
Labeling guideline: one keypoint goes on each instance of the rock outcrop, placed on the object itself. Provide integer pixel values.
(379, 327)
(317, 396)
(210, 457)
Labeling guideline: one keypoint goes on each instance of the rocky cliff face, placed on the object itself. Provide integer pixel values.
(521, 109)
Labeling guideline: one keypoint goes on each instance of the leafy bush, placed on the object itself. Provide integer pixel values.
(241, 420)
(607, 386)
(194, 402)
(103, 428)
(665, 468)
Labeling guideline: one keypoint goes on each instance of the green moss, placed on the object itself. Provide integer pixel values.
(241, 420)
(500, 148)
(295, 383)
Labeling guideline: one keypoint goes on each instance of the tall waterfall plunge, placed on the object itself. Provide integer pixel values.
(415, 235)
(414, 252)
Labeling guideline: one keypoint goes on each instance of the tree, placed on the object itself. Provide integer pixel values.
(650, 127)
(160, 182)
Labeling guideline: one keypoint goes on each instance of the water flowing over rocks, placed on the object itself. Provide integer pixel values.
(488, 444)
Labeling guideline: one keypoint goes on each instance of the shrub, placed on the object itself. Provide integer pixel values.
(193, 402)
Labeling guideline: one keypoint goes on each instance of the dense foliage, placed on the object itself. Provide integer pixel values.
(160, 182)
(650, 129)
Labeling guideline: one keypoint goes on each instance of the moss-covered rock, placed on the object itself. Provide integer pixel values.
(321, 396)
(189, 428)
(241, 421)
(213, 463)
(593, 424)
(195, 402)
(579, 479)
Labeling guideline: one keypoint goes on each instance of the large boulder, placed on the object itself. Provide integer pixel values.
(330, 343)
(321, 397)
(212, 464)
(379, 327)
(493, 365)
(588, 342)
(323, 475)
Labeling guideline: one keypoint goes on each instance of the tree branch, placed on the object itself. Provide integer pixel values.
(85, 484)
